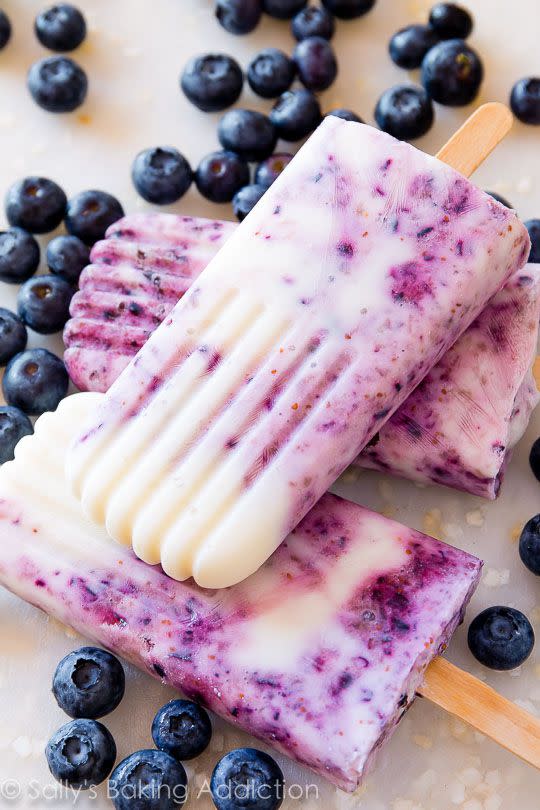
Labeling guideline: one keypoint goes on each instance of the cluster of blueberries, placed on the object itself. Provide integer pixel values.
(35, 380)
(88, 684)
(57, 83)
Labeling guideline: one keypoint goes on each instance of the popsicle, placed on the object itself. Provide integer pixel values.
(357, 270)
(457, 428)
(373, 603)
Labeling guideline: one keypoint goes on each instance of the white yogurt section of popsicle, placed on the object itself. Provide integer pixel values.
(363, 262)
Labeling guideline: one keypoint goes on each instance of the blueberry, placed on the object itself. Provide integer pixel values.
(316, 63)
(161, 175)
(61, 27)
(36, 204)
(404, 111)
(148, 780)
(346, 115)
(283, 9)
(89, 682)
(19, 255)
(90, 213)
(450, 21)
(534, 459)
(296, 114)
(246, 199)
(270, 73)
(500, 199)
(35, 381)
(533, 227)
(247, 778)
(81, 754)
(212, 82)
(43, 303)
(239, 16)
(248, 133)
(313, 22)
(5, 29)
(501, 638)
(57, 84)
(14, 424)
(409, 45)
(348, 9)
(525, 100)
(529, 545)
(220, 175)
(182, 729)
(452, 73)
(270, 169)
(13, 336)
(67, 257)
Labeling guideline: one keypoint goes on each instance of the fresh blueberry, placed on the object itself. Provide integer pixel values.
(346, 115)
(220, 175)
(67, 257)
(43, 303)
(90, 213)
(182, 729)
(270, 169)
(296, 114)
(239, 16)
(529, 545)
(409, 45)
(35, 381)
(13, 336)
(249, 779)
(246, 199)
(248, 133)
(534, 459)
(270, 73)
(57, 84)
(283, 9)
(500, 199)
(501, 638)
(313, 22)
(89, 682)
(148, 780)
(450, 21)
(5, 29)
(316, 63)
(212, 82)
(161, 175)
(348, 9)
(19, 255)
(525, 100)
(14, 424)
(61, 27)
(533, 227)
(81, 754)
(36, 204)
(404, 111)
(452, 73)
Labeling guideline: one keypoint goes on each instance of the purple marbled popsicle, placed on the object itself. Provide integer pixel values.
(457, 428)
(373, 602)
(356, 271)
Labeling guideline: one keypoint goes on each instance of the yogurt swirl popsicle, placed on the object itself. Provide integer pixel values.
(373, 602)
(458, 428)
(353, 275)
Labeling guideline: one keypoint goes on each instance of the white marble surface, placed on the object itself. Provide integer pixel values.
(134, 54)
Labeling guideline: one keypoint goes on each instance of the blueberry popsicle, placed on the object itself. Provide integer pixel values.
(373, 603)
(457, 428)
(325, 308)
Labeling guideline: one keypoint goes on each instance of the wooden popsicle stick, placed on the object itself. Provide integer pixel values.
(536, 372)
(477, 138)
(481, 706)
